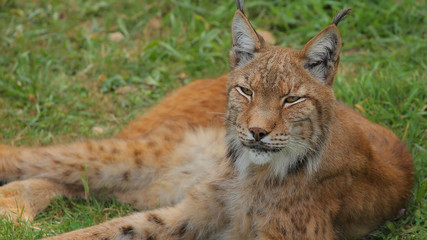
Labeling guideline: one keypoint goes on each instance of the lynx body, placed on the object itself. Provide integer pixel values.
(265, 152)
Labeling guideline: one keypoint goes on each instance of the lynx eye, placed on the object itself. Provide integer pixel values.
(246, 91)
(291, 99)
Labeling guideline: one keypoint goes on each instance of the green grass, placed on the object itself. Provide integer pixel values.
(63, 79)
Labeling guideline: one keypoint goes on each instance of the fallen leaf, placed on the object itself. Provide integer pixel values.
(182, 75)
(154, 23)
(98, 130)
(360, 108)
(116, 36)
(101, 78)
(31, 98)
(125, 89)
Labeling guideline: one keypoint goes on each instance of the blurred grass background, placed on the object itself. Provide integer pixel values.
(71, 70)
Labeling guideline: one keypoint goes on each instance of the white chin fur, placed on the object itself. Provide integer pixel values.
(258, 158)
(279, 162)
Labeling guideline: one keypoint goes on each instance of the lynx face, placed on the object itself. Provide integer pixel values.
(279, 100)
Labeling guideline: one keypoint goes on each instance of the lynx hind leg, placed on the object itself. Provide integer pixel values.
(25, 199)
(109, 166)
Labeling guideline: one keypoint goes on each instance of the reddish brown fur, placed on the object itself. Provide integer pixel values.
(175, 155)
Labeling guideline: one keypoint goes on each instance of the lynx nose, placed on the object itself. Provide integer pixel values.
(258, 133)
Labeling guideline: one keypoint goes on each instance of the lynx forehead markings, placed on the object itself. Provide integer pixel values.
(271, 70)
(284, 161)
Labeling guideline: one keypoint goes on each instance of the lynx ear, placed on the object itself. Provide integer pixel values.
(321, 54)
(246, 41)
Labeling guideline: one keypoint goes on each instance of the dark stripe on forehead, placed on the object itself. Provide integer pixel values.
(270, 71)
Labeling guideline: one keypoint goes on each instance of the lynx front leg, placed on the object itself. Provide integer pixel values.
(305, 218)
(25, 199)
(315, 228)
(198, 216)
(160, 224)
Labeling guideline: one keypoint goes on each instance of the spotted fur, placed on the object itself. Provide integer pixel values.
(263, 153)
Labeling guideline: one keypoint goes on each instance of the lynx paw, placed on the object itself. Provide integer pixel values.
(12, 205)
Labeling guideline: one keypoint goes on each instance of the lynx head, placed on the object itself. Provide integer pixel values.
(280, 101)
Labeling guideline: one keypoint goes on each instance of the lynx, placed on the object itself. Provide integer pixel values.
(265, 152)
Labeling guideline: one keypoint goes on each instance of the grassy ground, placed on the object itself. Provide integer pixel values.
(71, 70)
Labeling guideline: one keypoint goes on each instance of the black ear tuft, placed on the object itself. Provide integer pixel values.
(343, 14)
(239, 4)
